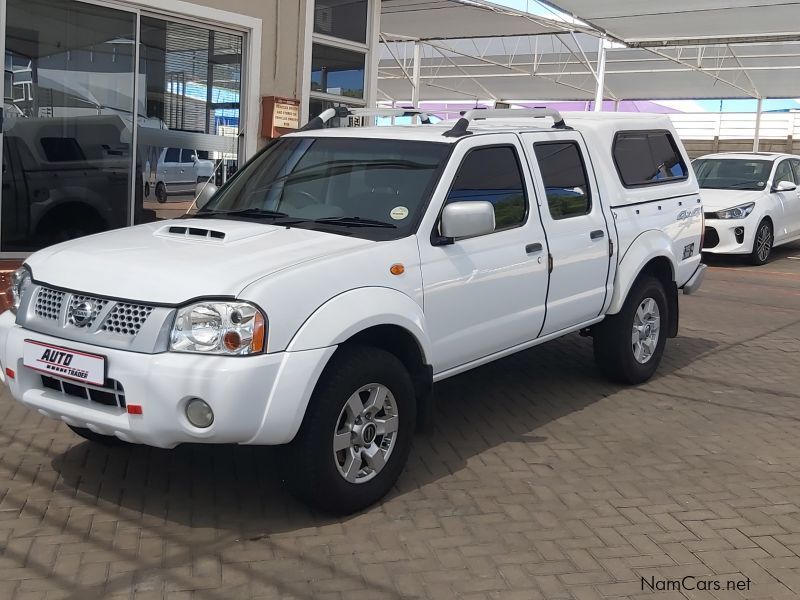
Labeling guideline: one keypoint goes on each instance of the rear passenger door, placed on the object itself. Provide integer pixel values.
(576, 228)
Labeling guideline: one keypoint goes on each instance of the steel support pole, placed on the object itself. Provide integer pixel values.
(600, 75)
(415, 77)
(757, 133)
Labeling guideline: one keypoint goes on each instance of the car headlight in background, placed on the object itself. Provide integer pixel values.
(737, 212)
(21, 280)
(227, 328)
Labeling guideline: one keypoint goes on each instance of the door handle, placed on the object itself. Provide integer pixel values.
(597, 234)
(533, 248)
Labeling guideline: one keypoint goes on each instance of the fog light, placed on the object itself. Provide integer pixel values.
(199, 413)
(739, 233)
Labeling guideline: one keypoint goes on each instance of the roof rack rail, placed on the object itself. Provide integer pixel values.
(461, 128)
(319, 121)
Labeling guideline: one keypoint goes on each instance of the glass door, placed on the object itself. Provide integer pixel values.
(190, 80)
(68, 98)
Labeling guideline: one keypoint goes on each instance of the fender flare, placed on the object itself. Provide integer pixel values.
(648, 245)
(355, 310)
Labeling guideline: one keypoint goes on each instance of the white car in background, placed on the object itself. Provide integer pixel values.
(179, 170)
(751, 202)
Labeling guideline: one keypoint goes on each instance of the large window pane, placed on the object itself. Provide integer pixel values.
(69, 103)
(190, 80)
(647, 158)
(337, 71)
(342, 19)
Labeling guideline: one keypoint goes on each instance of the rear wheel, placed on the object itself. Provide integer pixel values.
(98, 438)
(161, 192)
(762, 244)
(356, 434)
(628, 346)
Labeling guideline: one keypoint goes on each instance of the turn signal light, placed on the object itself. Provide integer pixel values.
(397, 269)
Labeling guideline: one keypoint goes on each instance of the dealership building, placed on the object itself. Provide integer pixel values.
(114, 111)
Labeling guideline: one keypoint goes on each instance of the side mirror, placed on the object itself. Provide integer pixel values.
(467, 219)
(203, 193)
(784, 186)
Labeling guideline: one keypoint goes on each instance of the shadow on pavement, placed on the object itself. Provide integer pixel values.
(238, 489)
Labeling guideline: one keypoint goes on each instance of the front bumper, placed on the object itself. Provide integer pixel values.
(721, 236)
(256, 400)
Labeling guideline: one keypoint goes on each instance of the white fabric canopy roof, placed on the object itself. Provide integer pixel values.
(654, 22)
(446, 19)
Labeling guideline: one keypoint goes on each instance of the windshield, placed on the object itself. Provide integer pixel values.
(732, 173)
(363, 187)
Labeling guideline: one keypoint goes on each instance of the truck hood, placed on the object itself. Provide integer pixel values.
(714, 200)
(170, 262)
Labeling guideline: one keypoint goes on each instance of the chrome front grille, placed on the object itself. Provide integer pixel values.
(126, 319)
(111, 316)
(48, 303)
(96, 320)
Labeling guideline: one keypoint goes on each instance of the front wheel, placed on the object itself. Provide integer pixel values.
(356, 434)
(628, 346)
(762, 244)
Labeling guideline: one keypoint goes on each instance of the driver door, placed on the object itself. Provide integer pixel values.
(484, 294)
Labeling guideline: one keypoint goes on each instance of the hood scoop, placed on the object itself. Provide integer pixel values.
(193, 232)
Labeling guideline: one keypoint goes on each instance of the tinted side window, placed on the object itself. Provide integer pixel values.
(565, 181)
(493, 175)
(783, 173)
(172, 155)
(647, 158)
(796, 167)
(62, 149)
(187, 155)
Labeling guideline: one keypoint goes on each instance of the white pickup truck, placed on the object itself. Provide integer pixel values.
(316, 298)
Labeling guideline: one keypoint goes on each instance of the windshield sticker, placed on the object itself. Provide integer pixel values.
(399, 213)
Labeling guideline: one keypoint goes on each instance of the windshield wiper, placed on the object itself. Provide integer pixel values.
(243, 212)
(354, 222)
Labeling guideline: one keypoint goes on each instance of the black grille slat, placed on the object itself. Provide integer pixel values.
(111, 394)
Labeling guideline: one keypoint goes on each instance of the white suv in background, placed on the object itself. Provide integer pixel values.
(751, 202)
(179, 171)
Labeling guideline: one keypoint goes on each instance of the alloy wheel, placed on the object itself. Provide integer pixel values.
(646, 330)
(365, 433)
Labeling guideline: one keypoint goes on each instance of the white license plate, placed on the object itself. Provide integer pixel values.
(63, 362)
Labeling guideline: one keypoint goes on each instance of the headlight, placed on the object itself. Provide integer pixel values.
(21, 280)
(737, 212)
(228, 328)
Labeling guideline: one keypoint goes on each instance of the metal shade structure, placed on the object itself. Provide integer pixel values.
(562, 67)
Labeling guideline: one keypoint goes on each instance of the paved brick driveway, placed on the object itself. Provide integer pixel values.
(540, 481)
